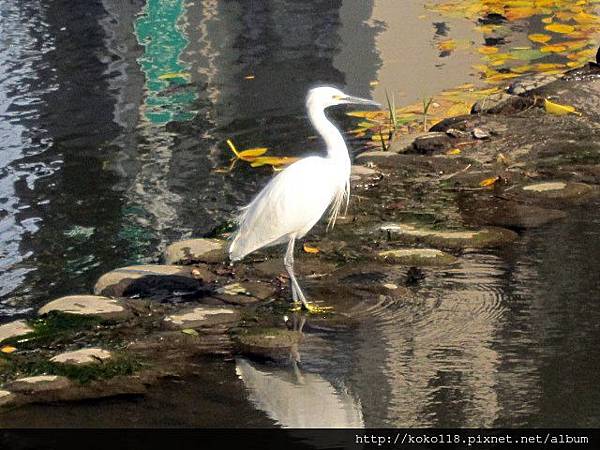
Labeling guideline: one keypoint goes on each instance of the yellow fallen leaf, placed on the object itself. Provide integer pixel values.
(308, 249)
(547, 20)
(7, 349)
(190, 331)
(582, 17)
(273, 161)
(520, 13)
(252, 153)
(540, 38)
(486, 50)
(171, 75)
(560, 28)
(555, 48)
(558, 109)
(489, 181)
(453, 151)
(447, 46)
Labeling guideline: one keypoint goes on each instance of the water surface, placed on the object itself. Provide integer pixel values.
(104, 160)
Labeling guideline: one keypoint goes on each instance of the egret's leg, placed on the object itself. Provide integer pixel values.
(288, 262)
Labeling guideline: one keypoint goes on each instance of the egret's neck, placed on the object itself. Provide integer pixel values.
(336, 146)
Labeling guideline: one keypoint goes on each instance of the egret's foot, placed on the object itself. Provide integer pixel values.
(311, 308)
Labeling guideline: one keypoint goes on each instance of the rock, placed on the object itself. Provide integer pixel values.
(403, 142)
(501, 103)
(83, 356)
(270, 343)
(150, 279)
(196, 250)
(431, 142)
(529, 83)
(203, 316)
(245, 292)
(507, 213)
(486, 237)
(417, 257)
(40, 383)
(89, 305)
(14, 329)
(6, 397)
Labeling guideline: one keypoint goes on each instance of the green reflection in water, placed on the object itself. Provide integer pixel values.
(156, 29)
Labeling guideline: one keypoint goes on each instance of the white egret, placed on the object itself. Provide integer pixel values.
(294, 200)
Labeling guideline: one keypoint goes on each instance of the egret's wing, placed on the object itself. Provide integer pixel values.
(290, 204)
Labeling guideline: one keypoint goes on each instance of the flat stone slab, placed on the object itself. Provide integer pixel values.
(150, 278)
(485, 237)
(40, 383)
(87, 305)
(83, 356)
(196, 250)
(203, 316)
(14, 329)
(417, 257)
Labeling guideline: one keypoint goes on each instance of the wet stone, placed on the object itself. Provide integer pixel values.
(245, 292)
(269, 343)
(40, 383)
(87, 305)
(83, 356)
(14, 329)
(486, 237)
(196, 250)
(150, 279)
(417, 257)
(203, 316)
(507, 213)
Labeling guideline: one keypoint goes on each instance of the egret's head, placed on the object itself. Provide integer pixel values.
(325, 96)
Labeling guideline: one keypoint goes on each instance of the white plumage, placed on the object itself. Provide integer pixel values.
(294, 200)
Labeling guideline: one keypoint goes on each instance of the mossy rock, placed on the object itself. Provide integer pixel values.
(417, 257)
(269, 343)
(33, 367)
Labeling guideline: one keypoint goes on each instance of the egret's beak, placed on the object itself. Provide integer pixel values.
(359, 101)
